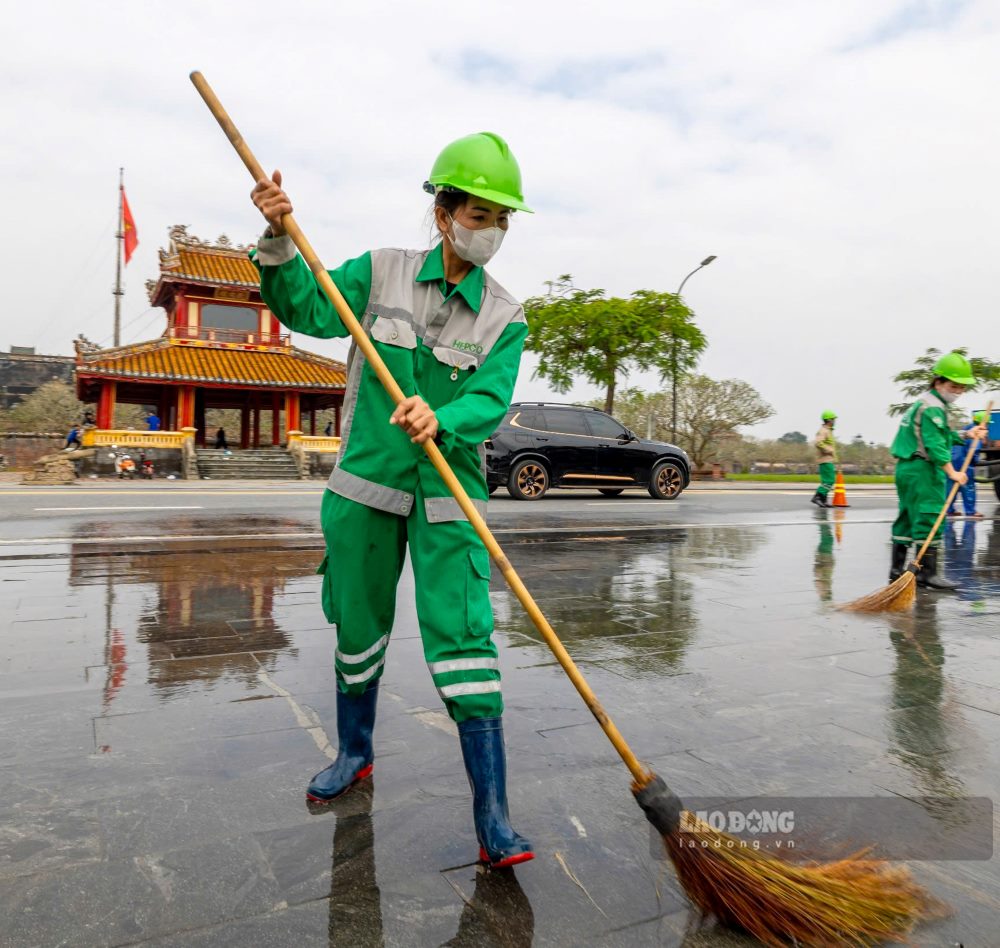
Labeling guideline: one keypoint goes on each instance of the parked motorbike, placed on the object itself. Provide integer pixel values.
(146, 467)
(124, 465)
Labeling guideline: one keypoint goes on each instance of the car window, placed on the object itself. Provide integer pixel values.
(604, 426)
(567, 422)
(531, 418)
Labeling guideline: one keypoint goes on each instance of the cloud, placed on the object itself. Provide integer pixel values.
(838, 158)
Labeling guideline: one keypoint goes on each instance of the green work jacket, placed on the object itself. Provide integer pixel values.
(459, 348)
(924, 431)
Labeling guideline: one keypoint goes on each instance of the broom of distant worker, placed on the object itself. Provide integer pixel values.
(855, 901)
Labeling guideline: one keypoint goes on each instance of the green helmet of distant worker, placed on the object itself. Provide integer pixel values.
(480, 164)
(955, 368)
(979, 417)
(829, 416)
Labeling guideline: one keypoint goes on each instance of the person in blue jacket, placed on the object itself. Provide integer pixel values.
(968, 489)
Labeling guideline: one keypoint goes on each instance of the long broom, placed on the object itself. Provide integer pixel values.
(900, 594)
(855, 901)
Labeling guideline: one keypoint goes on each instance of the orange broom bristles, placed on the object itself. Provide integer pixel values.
(898, 596)
(855, 901)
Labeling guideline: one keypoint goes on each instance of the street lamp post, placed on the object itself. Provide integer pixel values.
(673, 353)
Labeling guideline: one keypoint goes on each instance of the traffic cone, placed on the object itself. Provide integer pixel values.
(839, 494)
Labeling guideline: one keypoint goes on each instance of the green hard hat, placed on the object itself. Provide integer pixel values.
(979, 417)
(955, 368)
(829, 415)
(481, 164)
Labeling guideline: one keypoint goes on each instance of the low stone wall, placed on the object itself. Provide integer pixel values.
(321, 465)
(58, 468)
(100, 463)
(19, 450)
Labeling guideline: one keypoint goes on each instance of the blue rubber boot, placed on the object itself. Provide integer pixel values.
(355, 722)
(486, 765)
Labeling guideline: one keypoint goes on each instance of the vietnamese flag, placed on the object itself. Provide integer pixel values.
(129, 232)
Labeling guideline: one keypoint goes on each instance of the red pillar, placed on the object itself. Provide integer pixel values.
(185, 407)
(106, 405)
(293, 413)
(275, 419)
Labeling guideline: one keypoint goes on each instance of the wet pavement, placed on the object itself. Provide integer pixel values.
(164, 701)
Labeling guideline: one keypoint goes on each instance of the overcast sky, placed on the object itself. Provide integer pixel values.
(841, 160)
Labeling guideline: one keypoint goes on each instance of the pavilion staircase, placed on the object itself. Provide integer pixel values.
(270, 464)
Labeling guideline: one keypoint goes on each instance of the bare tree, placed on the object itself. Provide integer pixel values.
(709, 410)
(51, 407)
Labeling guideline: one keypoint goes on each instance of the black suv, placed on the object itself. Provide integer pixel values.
(542, 445)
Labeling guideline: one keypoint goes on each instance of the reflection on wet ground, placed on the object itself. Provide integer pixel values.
(163, 705)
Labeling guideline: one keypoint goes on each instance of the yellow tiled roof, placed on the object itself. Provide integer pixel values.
(169, 360)
(212, 266)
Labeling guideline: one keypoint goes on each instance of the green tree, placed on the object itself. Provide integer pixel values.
(584, 333)
(793, 437)
(914, 382)
(710, 411)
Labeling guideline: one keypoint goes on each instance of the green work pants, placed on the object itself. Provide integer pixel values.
(827, 475)
(920, 488)
(365, 550)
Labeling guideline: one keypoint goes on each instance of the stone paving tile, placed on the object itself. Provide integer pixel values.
(149, 798)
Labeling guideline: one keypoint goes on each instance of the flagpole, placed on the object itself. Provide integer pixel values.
(120, 237)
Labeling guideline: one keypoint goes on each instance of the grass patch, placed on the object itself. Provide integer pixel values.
(812, 478)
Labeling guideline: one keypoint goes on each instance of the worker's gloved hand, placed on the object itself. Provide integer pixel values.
(980, 432)
(959, 476)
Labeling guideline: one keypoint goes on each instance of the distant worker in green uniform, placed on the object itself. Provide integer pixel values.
(452, 338)
(826, 455)
(922, 448)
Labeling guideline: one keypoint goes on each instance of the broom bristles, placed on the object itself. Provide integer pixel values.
(854, 901)
(898, 596)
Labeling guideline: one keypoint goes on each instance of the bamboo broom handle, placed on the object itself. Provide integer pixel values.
(951, 494)
(640, 774)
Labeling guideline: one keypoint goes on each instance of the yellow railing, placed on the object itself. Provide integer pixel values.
(105, 437)
(310, 444)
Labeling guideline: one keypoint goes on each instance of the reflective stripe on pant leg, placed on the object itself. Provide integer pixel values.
(365, 550)
(451, 569)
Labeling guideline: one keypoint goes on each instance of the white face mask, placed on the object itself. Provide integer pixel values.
(475, 246)
(949, 397)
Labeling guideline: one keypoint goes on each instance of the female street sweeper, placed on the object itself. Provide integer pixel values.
(922, 449)
(452, 338)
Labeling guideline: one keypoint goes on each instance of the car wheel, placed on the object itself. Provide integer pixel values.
(611, 491)
(666, 481)
(528, 480)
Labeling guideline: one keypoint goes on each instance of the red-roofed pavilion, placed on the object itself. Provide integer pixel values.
(221, 348)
